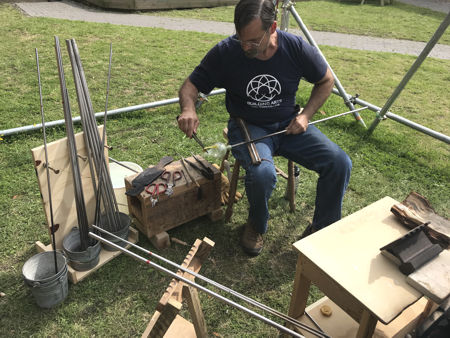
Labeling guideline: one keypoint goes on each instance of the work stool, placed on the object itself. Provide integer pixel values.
(290, 177)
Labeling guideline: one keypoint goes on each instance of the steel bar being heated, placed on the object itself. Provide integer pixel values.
(47, 166)
(77, 183)
(199, 287)
(247, 299)
(311, 123)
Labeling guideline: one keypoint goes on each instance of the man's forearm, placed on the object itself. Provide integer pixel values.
(188, 120)
(319, 94)
(187, 94)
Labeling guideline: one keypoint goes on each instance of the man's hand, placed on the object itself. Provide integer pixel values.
(188, 122)
(298, 125)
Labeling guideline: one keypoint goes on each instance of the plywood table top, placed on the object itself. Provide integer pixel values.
(348, 251)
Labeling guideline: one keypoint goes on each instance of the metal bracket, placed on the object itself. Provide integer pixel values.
(379, 116)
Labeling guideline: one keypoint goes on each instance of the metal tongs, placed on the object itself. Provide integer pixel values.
(201, 168)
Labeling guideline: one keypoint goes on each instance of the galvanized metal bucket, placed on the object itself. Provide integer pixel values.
(80, 260)
(47, 287)
(125, 222)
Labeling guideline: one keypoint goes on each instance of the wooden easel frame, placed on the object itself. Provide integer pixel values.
(165, 321)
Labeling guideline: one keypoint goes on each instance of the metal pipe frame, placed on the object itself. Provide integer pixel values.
(409, 74)
(214, 294)
(430, 132)
(337, 83)
(77, 119)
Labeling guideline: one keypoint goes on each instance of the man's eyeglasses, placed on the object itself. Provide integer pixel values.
(249, 44)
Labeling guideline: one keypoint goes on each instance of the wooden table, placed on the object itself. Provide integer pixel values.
(345, 262)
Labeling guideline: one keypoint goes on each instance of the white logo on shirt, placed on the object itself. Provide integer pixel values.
(263, 88)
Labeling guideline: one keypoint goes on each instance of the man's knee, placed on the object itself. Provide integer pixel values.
(340, 163)
(262, 174)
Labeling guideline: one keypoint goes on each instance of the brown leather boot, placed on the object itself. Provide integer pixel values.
(252, 241)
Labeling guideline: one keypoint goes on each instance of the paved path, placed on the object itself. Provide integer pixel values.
(435, 5)
(74, 11)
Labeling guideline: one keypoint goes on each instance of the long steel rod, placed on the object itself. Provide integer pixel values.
(89, 155)
(310, 123)
(88, 134)
(77, 119)
(52, 223)
(90, 127)
(409, 74)
(109, 190)
(219, 286)
(337, 83)
(198, 286)
(77, 183)
(100, 176)
(123, 165)
(399, 119)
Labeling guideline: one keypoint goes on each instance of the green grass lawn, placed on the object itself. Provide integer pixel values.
(396, 21)
(149, 65)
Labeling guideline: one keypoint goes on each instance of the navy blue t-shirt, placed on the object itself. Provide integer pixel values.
(260, 92)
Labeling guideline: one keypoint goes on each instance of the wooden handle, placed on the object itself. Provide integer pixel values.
(251, 146)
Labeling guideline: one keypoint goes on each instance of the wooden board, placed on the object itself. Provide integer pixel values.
(433, 278)
(341, 325)
(182, 206)
(173, 296)
(347, 254)
(105, 256)
(63, 200)
(62, 188)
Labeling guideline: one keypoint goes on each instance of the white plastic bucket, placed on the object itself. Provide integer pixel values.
(118, 174)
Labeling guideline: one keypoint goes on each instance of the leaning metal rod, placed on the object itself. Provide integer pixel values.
(109, 190)
(52, 223)
(110, 204)
(89, 156)
(284, 130)
(336, 80)
(198, 286)
(220, 286)
(77, 183)
(123, 165)
(87, 135)
(100, 176)
(409, 74)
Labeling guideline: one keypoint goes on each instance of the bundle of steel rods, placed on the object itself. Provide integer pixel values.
(263, 307)
(101, 179)
(77, 183)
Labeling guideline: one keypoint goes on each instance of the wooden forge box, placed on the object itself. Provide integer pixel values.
(187, 202)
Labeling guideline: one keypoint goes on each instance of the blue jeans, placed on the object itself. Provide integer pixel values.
(312, 150)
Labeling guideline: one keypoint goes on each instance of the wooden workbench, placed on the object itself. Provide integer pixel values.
(345, 262)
